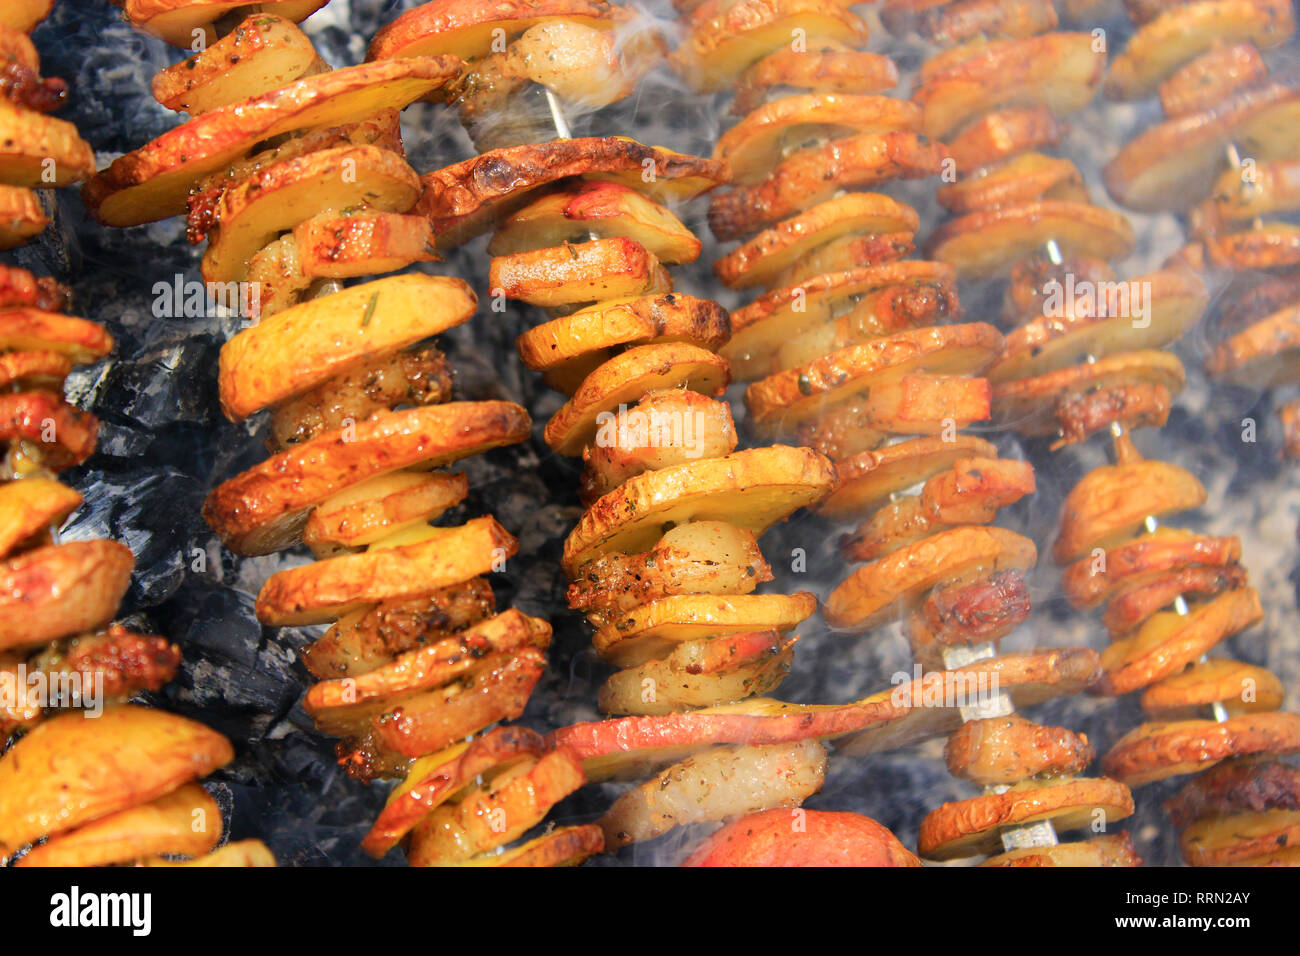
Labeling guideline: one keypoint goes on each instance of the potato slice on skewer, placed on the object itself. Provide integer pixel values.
(42, 371)
(753, 489)
(153, 181)
(760, 328)
(327, 590)
(1181, 33)
(1243, 839)
(263, 53)
(988, 242)
(24, 15)
(177, 21)
(972, 827)
(185, 822)
(1023, 178)
(265, 508)
(827, 838)
(60, 590)
(723, 40)
(21, 216)
(1099, 851)
(1270, 245)
(308, 344)
(467, 29)
(596, 210)
(762, 258)
(965, 20)
(878, 592)
(623, 380)
(1168, 641)
(285, 194)
(362, 244)
(832, 68)
(1089, 582)
(30, 507)
(24, 329)
(1273, 187)
(1061, 71)
(690, 677)
(33, 145)
(1007, 750)
(568, 349)
(72, 770)
(1157, 751)
(654, 630)
(1002, 134)
(1139, 598)
(1172, 165)
(867, 480)
(1236, 784)
(813, 175)
(787, 399)
(585, 272)
(1264, 355)
(1211, 77)
(1143, 313)
(1240, 688)
(1110, 503)
(716, 785)
(768, 134)
(374, 509)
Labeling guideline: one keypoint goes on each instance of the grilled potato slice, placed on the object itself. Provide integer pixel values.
(690, 677)
(761, 259)
(240, 853)
(43, 371)
(964, 20)
(177, 20)
(1160, 750)
(1087, 584)
(153, 181)
(361, 244)
(374, 509)
(457, 832)
(585, 272)
(1111, 502)
(24, 329)
(24, 15)
(1243, 839)
(1167, 642)
(787, 399)
(724, 39)
(1212, 76)
(1061, 71)
(753, 489)
(971, 827)
(768, 134)
(826, 68)
(468, 30)
(327, 590)
(185, 822)
(466, 198)
(657, 629)
(30, 507)
(1138, 599)
(1148, 312)
(623, 380)
(1029, 404)
(1273, 187)
(987, 242)
(1099, 851)
(1263, 355)
(265, 508)
(568, 349)
(59, 590)
(602, 210)
(29, 140)
(1240, 688)
(1002, 134)
(1006, 750)
(285, 194)
(760, 328)
(868, 479)
(1023, 178)
(72, 769)
(813, 175)
(1172, 165)
(301, 347)
(716, 785)
(877, 592)
(768, 839)
(263, 53)
(1236, 784)
(1182, 33)
(21, 216)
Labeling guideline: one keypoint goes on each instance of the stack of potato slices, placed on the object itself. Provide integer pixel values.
(1223, 156)
(38, 151)
(296, 175)
(98, 789)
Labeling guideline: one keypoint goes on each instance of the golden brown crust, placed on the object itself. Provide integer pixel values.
(1088, 583)
(1001, 134)
(81, 341)
(60, 590)
(466, 29)
(1211, 77)
(1156, 751)
(829, 70)
(1240, 688)
(1009, 749)
(1148, 593)
(1099, 851)
(1243, 839)
(867, 479)
(1262, 355)
(970, 827)
(1244, 784)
